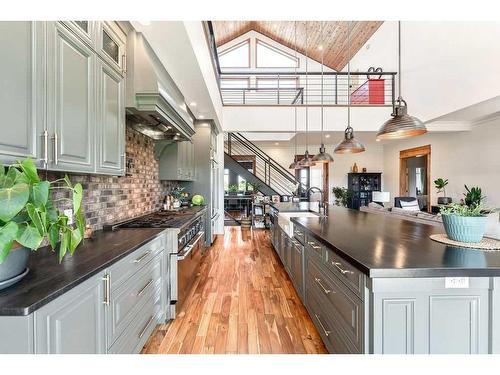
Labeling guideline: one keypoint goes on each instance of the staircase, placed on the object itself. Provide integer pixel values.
(269, 175)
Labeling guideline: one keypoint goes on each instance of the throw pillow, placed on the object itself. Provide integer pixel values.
(410, 206)
(401, 211)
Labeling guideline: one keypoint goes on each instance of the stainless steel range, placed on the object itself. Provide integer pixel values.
(185, 254)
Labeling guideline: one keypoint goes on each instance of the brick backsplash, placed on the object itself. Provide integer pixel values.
(110, 199)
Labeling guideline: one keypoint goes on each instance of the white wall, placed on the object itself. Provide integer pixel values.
(372, 158)
(446, 66)
(471, 158)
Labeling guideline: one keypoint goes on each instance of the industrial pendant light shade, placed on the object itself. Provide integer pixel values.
(322, 156)
(307, 161)
(401, 125)
(350, 145)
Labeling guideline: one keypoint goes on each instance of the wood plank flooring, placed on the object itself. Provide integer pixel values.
(242, 302)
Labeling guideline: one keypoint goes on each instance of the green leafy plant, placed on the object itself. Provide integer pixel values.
(342, 195)
(440, 184)
(233, 188)
(473, 196)
(177, 192)
(28, 215)
(462, 210)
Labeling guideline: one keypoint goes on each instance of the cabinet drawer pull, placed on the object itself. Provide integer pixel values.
(124, 64)
(296, 243)
(45, 136)
(142, 257)
(298, 233)
(107, 286)
(56, 151)
(144, 288)
(327, 291)
(327, 332)
(146, 326)
(313, 245)
(342, 271)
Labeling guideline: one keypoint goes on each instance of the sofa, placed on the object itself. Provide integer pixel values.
(416, 216)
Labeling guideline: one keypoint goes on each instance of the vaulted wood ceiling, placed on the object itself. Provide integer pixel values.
(334, 35)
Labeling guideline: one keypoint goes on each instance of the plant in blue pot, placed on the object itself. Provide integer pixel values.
(466, 221)
(29, 218)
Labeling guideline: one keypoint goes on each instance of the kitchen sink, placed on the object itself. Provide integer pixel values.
(285, 223)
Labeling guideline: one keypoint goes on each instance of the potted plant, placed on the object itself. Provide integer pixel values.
(178, 195)
(440, 185)
(233, 189)
(466, 221)
(342, 195)
(28, 216)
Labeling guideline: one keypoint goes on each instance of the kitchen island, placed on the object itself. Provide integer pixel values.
(376, 284)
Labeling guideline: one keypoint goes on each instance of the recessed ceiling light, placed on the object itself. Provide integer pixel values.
(276, 143)
(327, 135)
(378, 140)
(201, 116)
(192, 104)
(145, 23)
(320, 47)
(275, 25)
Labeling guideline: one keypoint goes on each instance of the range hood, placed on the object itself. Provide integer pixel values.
(155, 105)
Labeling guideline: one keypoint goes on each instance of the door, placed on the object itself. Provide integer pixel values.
(23, 92)
(74, 322)
(110, 121)
(71, 101)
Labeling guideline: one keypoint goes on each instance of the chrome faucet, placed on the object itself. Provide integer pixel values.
(322, 207)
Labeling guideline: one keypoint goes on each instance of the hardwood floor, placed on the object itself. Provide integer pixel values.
(242, 302)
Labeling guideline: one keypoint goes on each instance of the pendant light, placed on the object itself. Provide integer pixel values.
(401, 125)
(323, 156)
(307, 160)
(350, 145)
(295, 164)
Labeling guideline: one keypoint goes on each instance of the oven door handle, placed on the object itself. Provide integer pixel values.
(188, 248)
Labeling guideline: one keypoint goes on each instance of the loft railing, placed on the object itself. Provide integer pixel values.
(265, 168)
(290, 89)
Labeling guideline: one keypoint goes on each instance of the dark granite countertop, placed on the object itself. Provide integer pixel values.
(48, 279)
(384, 246)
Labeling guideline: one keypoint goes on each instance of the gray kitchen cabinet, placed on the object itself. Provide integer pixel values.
(74, 322)
(71, 109)
(22, 98)
(177, 162)
(110, 131)
(297, 266)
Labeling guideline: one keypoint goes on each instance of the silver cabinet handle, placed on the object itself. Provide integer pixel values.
(146, 326)
(144, 288)
(45, 136)
(313, 245)
(124, 64)
(56, 151)
(296, 243)
(107, 286)
(327, 332)
(142, 257)
(318, 280)
(124, 166)
(342, 271)
(298, 232)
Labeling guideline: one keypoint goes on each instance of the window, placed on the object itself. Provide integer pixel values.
(284, 82)
(271, 57)
(237, 56)
(242, 184)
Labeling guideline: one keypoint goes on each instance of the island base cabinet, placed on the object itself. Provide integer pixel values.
(421, 316)
(17, 336)
(74, 322)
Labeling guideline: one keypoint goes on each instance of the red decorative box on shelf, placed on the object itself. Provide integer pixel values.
(370, 92)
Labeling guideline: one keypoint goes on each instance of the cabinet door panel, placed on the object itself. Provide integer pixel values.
(74, 322)
(111, 45)
(71, 101)
(111, 121)
(22, 95)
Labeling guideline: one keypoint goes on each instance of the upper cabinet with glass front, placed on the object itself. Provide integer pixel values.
(111, 45)
(85, 30)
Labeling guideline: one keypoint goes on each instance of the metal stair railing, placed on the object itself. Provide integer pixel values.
(266, 168)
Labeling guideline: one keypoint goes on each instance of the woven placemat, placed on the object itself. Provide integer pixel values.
(489, 244)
